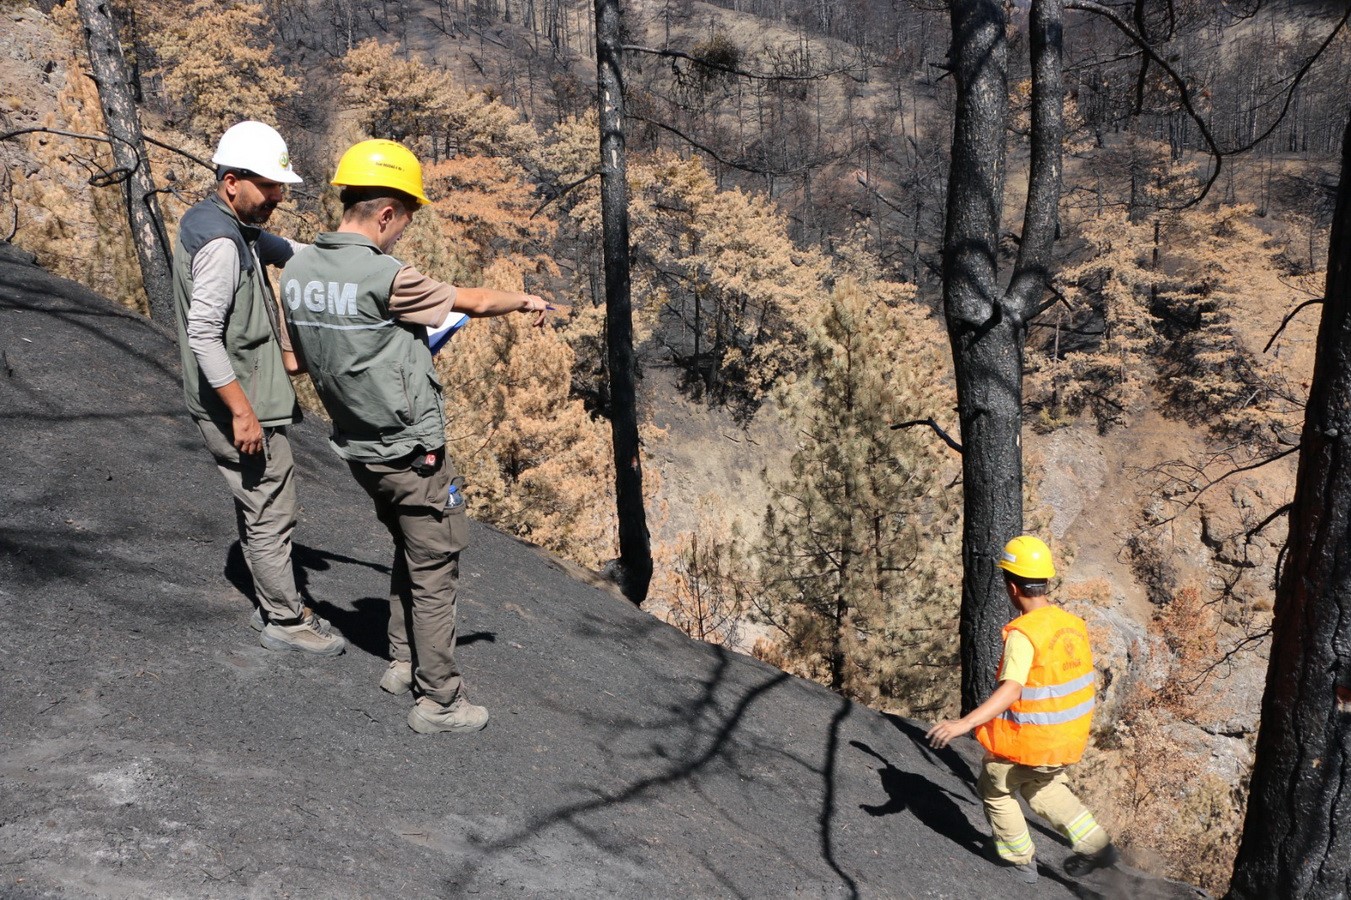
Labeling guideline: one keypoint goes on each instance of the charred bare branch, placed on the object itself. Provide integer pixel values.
(947, 438)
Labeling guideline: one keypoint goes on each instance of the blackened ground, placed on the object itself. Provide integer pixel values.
(150, 748)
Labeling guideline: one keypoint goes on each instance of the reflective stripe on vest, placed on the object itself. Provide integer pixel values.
(1049, 718)
(385, 324)
(1048, 724)
(1058, 690)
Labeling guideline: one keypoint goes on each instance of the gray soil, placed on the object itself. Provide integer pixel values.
(149, 747)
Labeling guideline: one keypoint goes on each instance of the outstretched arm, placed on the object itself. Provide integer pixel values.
(478, 302)
(425, 301)
(1003, 697)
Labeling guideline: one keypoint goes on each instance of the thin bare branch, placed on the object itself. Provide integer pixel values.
(1286, 321)
(1261, 526)
(563, 191)
(1266, 461)
(733, 164)
(105, 139)
(1228, 656)
(1184, 92)
(947, 438)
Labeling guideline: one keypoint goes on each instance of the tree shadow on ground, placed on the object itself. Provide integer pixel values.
(701, 735)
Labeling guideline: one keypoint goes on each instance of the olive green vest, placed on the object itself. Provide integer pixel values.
(373, 374)
(250, 332)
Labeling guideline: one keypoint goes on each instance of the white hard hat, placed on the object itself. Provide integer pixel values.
(258, 148)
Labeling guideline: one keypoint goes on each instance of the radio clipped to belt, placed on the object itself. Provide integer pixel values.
(426, 463)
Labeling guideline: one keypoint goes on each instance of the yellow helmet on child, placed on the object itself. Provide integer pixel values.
(381, 163)
(1027, 557)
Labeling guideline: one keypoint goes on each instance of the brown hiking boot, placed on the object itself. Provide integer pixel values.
(310, 635)
(429, 717)
(398, 678)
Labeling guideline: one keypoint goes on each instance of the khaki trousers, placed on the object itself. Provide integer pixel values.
(1046, 791)
(264, 489)
(428, 539)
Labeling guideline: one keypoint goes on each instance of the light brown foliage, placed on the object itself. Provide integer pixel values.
(421, 106)
(217, 63)
(715, 275)
(537, 464)
(76, 229)
(701, 580)
(1169, 295)
(858, 552)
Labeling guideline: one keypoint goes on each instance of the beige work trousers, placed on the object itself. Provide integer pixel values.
(428, 539)
(1048, 794)
(264, 489)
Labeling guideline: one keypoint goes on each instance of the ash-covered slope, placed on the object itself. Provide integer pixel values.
(150, 748)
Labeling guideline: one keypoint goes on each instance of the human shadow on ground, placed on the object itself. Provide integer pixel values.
(934, 806)
(365, 626)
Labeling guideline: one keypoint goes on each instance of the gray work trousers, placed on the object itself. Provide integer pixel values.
(264, 488)
(428, 539)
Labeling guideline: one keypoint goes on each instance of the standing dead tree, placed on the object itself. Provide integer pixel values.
(128, 148)
(633, 569)
(1297, 835)
(987, 322)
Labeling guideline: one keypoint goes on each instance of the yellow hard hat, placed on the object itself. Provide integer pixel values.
(381, 163)
(1027, 557)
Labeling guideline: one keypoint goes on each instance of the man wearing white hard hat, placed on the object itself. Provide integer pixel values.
(236, 362)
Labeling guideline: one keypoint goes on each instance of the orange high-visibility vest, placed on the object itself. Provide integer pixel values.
(1047, 725)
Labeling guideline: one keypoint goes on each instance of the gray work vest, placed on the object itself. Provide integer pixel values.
(374, 375)
(250, 331)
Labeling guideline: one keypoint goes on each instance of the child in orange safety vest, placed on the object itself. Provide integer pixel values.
(1036, 722)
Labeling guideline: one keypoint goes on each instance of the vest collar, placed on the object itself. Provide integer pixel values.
(333, 240)
(249, 232)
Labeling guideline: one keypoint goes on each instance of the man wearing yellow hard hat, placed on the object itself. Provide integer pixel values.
(359, 320)
(1036, 722)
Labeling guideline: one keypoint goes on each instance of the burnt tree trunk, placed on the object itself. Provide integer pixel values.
(1297, 835)
(633, 569)
(987, 323)
(124, 128)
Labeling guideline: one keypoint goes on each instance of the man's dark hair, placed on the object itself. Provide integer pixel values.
(363, 202)
(222, 171)
(1030, 587)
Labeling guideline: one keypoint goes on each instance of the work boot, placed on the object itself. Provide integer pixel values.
(429, 717)
(1026, 872)
(1080, 864)
(310, 635)
(398, 678)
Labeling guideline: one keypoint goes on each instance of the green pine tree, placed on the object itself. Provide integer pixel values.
(859, 549)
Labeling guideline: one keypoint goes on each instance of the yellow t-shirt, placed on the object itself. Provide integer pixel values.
(1017, 658)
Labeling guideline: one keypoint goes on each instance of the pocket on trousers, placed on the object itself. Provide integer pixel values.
(456, 515)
